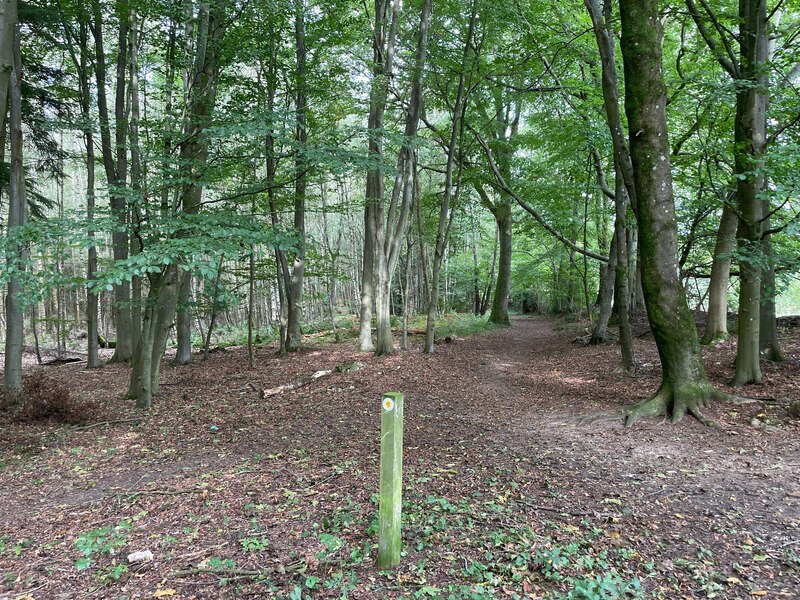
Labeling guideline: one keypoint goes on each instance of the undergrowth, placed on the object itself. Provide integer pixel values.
(45, 398)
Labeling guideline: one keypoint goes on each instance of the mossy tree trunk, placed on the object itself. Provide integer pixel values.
(684, 385)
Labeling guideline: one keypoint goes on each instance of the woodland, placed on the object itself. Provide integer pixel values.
(568, 232)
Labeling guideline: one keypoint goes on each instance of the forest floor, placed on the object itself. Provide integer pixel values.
(508, 492)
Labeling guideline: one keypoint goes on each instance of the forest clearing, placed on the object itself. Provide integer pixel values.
(507, 492)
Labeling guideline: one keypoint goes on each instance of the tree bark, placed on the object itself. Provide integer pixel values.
(717, 317)
(115, 164)
(768, 328)
(138, 184)
(602, 24)
(383, 43)
(166, 287)
(194, 148)
(15, 333)
(8, 21)
(81, 61)
(684, 385)
(159, 309)
(505, 223)
(381, 230)
(449, 197)
(367, 273)
(621, 275)
(606, 294)
(749, 145)
(625, 185)
(294, 334)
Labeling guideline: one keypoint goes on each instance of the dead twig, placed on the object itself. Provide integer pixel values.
(133, 494)
(113, 422)
(555, 510)
(291, 567)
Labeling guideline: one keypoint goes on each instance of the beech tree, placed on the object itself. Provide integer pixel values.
(684, 384)
(11, 70)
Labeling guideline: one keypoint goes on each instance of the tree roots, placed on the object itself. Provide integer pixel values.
(675, 403)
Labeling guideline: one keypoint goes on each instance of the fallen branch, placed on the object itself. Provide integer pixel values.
(114, 422)
(291, 567)
(130, 494)
(297, 383)
(319, 334)
(61, 361)
(234, 572)
(555, 510)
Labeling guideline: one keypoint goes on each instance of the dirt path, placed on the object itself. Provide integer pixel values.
(507, 495)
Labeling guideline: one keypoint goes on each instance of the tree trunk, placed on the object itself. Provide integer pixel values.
(684, 385)
(159, 310)
(183, 323)
(194, 149)
(621, 276)
(717, 318)
(384, 34)
(138, 184)
(367, 274)
(768, 329)
(81, 63)
(115, 164)
(446, 212)
(602, 24)
(15, 333)
(294, 334)
(625, 184)
(749, 145)
(212, 321)
(606, 294)
(165, 287)
(504, 219)
(251, 296)
(8, 22)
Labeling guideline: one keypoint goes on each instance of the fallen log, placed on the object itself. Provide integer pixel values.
(297, 383)
(61, 361)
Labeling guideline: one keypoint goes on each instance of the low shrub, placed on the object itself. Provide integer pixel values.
(45, 398)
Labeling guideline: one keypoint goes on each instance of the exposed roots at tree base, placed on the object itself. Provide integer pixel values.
(624, 370)
(675, 403)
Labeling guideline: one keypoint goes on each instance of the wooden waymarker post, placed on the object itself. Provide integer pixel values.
(391, 488)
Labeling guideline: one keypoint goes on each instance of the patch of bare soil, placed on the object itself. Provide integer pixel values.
(507, 492)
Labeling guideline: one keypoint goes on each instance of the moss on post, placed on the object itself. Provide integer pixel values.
(391, 482)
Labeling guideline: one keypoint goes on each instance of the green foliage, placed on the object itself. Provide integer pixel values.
(254, 544)
(103, 541)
